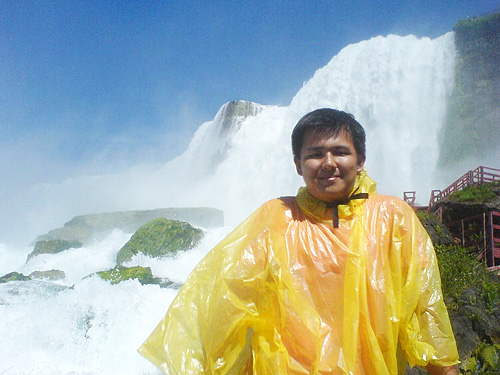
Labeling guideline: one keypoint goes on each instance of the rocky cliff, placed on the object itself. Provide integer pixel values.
(473, 122)
(86, 228)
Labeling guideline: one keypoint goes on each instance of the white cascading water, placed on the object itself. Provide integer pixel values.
(396, 87)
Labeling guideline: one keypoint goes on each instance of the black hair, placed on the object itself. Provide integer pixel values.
(329, 122)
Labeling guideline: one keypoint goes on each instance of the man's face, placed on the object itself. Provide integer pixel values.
(329, 166)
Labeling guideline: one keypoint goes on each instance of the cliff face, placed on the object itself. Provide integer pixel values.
(472, 125)
(227, 122)
(88, 227)
(232, 113)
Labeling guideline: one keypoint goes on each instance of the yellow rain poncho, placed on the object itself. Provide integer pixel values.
(288, 293)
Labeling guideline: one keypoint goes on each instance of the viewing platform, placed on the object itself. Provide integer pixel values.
(479, 232)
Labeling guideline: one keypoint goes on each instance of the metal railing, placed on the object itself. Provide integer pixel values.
(478, 176)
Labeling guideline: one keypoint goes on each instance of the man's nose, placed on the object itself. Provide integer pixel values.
(329, 161)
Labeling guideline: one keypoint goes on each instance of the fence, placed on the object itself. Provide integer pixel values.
(478, 176)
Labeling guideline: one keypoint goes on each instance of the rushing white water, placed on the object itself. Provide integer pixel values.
(88, 326)
(396, 87)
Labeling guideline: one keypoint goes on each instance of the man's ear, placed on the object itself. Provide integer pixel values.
(298, 167)
(361, 165)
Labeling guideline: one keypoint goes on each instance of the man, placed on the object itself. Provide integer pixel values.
(337, 280)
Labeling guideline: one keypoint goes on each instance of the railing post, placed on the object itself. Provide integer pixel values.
(492, 237)
(433, 198)
(485, 244)
(463, 232)
(409, 197)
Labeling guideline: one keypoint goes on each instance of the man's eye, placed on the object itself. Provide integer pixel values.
(342, 153)
(315, 155)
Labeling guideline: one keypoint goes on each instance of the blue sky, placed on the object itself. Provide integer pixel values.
(92, 86)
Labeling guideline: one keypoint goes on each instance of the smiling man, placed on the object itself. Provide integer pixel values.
(336, 280)
(329, 166)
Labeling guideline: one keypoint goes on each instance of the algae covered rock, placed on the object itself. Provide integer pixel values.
(13, 276)
(160, 237)
(53, 246)
(119, 273)
(48, 275)
(142, 274)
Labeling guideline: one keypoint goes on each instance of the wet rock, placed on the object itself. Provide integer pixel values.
(53, 246)
(160, 238)
(143, 274)
(118, 274)
(13, 276)
(48, 275)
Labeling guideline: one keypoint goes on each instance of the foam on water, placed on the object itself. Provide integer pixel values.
(85, 325)
(93, 328)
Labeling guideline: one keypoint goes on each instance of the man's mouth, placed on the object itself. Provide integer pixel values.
(329, 177)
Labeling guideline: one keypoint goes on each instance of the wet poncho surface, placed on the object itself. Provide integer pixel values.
(288, 293)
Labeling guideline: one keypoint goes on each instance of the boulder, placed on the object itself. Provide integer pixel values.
(53, 246)
(160, 237)
(119, 273)
(13, 276)
(48, 275)
(142, 274)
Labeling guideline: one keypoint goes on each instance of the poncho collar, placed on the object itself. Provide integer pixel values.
(321, 211)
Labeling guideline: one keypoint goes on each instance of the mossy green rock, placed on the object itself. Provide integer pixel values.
(53, 246)
(13, 276)
(120, 273)
(159, 238)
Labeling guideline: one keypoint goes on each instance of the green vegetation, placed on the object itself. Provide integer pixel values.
(460, 270)
(459, 267)
(471, 292)
(484, 361)
(477, 25)
(484, 193)
(439, 234)
(159, 238)
(428, 218)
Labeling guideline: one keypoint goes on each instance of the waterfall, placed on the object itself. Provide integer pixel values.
(397, 88)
